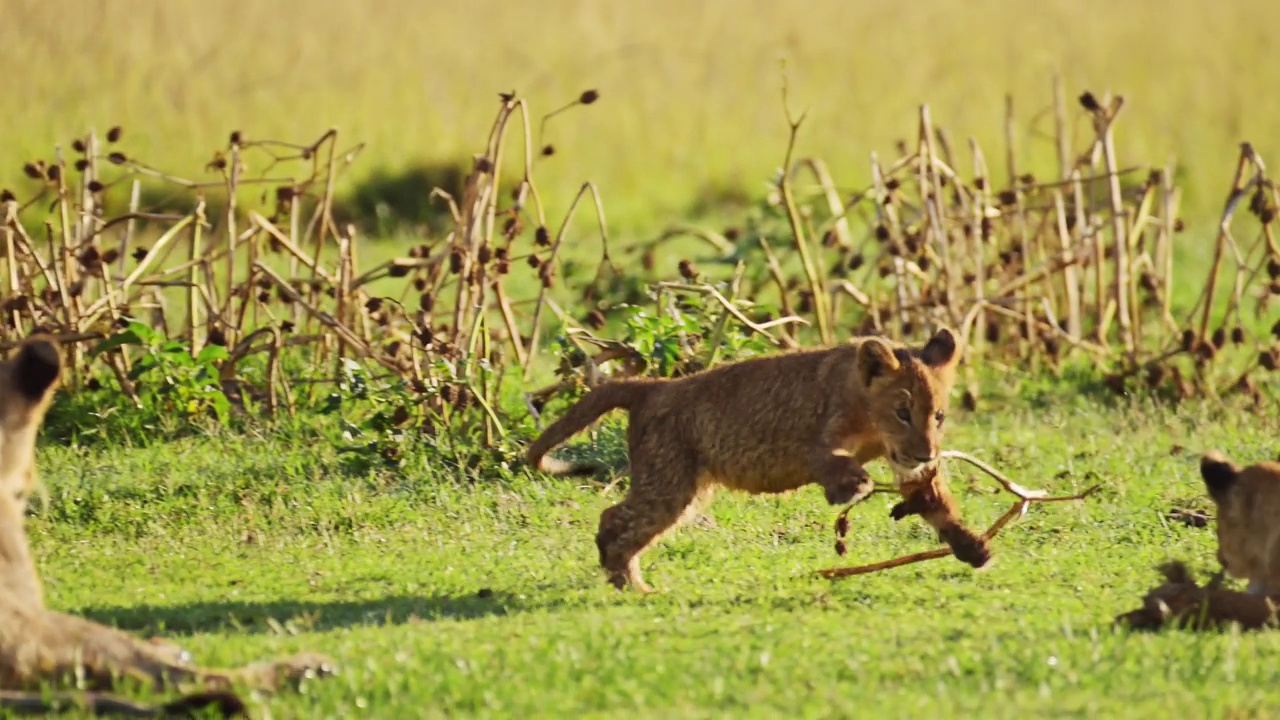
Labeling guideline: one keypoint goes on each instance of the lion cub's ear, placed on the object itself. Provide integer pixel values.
(1219, 474)
(875, 359)
(941, 350)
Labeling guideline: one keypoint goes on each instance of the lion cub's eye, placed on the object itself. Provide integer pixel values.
(940, 417)
(904, 414)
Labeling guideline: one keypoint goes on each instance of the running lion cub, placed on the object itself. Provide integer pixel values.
(39, 646)
(1248, 500)
(764, 425)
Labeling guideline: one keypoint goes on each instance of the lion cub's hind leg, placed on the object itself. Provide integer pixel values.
(665, 491)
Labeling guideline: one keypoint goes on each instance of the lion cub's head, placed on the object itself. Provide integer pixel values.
(27, 381)
(908, 392)
(1248, 501)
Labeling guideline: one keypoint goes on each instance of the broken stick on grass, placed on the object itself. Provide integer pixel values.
(1025, 498)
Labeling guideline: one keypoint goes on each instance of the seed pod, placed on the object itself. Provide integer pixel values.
(1219, 338)
(1237, 335)
(426, 302)
(548, 150)
(373, 304)
(541, 237)
(841, 549)
(588, 96)
(688, 271)
(455, 261)
(113, 135)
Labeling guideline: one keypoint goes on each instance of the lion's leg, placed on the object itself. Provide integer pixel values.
(664, 491)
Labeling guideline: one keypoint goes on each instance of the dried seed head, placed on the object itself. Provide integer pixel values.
(1008, 197)
(841, 548)
(1273, 268)
(110, 256)
(502, 267)
(54, 172)
(95, 186)
(1270, 359)
(1275, 330)
(1051, 346)
(993, 332)
(548, 150)
(892, 184)
(113, 135)
(1237, 335)
(420, 284)
(534, 261)
(217, 337)
(264, 296)
(1156, 374)
(980, 183)
(688, 271)
(842, 525)
(426, 302)
(286, 327)
(856, 261)
(1189, 340)
(830, 239)
(1027, 179)
(373, 304)
(483, 165)
(139, 253)
(76, 288)
(78, 145)
(455, 261)
(93, 384)
(396, 271)
(82, 165)
(1178, 225)
(484, 254)
(6, 195)
(235, 138)
(544, 274)
(882, 232)
(541, 237)
(588, 96)
(1219, 338)
(1089, 102)
(924, 262)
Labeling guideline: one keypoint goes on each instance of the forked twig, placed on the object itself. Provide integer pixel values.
(1025, 498)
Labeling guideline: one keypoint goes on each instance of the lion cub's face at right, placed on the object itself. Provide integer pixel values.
(1248, 522)
(27, 381)
(908, 396)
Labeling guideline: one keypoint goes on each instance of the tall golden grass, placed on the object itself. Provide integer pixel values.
(690, 90)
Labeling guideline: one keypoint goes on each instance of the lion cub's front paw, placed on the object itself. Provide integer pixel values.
(849, 490)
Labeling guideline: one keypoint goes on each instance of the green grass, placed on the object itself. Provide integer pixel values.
(443, 592)
(690, 106)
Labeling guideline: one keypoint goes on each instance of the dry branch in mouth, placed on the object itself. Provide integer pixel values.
(1025, 498)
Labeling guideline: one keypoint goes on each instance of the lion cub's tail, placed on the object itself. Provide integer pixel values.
(612, 395)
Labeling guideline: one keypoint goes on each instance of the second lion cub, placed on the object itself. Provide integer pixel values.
(1248, 500)
(763, 425)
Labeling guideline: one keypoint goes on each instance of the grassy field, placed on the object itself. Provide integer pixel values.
(690, 112)
(454, 582)
(447, 592)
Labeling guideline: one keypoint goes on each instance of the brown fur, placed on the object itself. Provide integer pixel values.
(39, 646)
(1248, 519)
(763, 425)
(927, 495)
(1181, 602)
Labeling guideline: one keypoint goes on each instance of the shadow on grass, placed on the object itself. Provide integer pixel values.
(255, 618)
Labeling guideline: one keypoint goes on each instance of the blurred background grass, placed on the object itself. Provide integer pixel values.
(690, 111)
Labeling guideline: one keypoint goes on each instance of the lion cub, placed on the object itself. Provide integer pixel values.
(1248, 500)
(764, 425)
